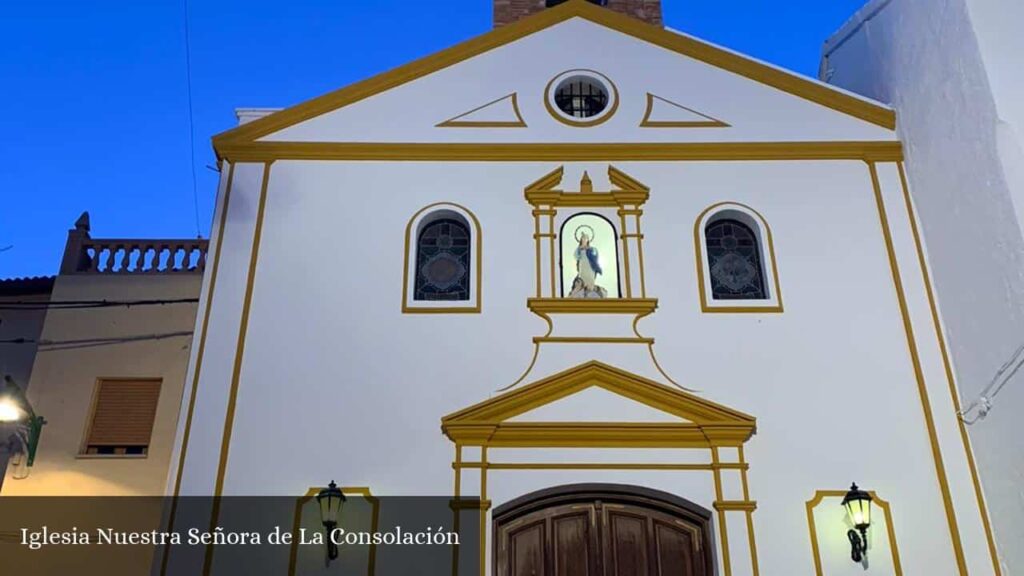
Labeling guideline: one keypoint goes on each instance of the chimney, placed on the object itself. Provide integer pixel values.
(509, 11)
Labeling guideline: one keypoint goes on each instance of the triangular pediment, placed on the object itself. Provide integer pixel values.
(664, 113)
(596, 404)
(500, 113)
(685, 419)
(756, 99)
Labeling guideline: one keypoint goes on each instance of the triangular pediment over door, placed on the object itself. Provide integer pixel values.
(686, 420)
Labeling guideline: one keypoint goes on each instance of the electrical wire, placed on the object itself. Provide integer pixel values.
(91, 342)
(86, 304)
(983, 404)
(191, 120)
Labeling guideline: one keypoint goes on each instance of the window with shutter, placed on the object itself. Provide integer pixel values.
(122, 417)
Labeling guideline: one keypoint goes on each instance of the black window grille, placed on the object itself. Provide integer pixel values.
(734, 260)
(581, 97)
(443, 261)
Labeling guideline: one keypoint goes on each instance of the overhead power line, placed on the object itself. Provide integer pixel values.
(80, 304)
(191, 120)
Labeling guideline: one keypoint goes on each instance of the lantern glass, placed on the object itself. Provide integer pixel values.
(858, 507)
(9, 410)
(330, 500)
(14, 407)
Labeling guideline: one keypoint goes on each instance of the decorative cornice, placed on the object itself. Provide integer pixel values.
(879, 151)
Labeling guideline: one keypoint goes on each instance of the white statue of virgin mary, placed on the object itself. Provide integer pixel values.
(588, 267)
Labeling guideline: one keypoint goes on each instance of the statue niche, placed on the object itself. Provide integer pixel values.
(589, 257)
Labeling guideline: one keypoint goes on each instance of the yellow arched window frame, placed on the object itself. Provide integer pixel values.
(770, 270)
(412, 230)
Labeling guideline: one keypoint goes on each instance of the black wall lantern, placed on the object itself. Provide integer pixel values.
(330, 500)
(858, 509)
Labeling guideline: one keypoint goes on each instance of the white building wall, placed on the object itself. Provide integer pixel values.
(328, 352)
(951, 70)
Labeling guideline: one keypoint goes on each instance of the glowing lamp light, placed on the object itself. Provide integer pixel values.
(16, 409)
(330, 500)
(858, 509)
(10, 411)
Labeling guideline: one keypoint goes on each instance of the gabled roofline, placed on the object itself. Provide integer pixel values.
(786, 81)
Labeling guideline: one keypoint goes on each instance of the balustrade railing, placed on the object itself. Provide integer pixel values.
(86, 255)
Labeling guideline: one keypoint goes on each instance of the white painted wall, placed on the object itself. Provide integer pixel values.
(315, 327)
(951, 70)
(329, 353)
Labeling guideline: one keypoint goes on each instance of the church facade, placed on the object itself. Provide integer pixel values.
(653, 300)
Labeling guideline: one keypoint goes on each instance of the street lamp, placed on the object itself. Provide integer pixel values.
(330, 500)
(15, 408)
(858, 509)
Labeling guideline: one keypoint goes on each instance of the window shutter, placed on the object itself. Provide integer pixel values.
(124, 413)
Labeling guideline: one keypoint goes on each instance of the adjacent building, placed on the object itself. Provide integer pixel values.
(102, 349)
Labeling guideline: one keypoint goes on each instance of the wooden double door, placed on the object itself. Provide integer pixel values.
(602, 530)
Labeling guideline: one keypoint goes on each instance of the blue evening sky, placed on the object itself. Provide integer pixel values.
(94, 102)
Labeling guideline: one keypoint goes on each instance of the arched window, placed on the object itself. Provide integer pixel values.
(736, 264)
(442, 260)
(443, 251)
(734, 260)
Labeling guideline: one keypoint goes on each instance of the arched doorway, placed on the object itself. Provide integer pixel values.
(602, 530)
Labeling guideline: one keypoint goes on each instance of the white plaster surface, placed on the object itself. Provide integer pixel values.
(951, 70)
(329, 353)
(328, 349)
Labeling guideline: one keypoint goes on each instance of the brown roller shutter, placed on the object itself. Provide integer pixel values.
(123, 414)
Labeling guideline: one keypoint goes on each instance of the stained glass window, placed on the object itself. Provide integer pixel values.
(442, 260)
(734, 260)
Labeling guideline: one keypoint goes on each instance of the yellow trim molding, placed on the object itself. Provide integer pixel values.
(703, 423)
(768, 246)
(922, 389)
(626, 191)
(646, 122)
(544, 306)
(950, 380)
(727, 60)
(215, 265)
(363, 491)
(473, 305)
(876, 500)
(600, 118)
(243, 329)
(455, 122)
(880, 151)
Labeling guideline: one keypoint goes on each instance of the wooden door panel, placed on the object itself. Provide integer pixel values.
(589, 535)
(626, 544)
(526, 550)
(573, 546)
(675, 552)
